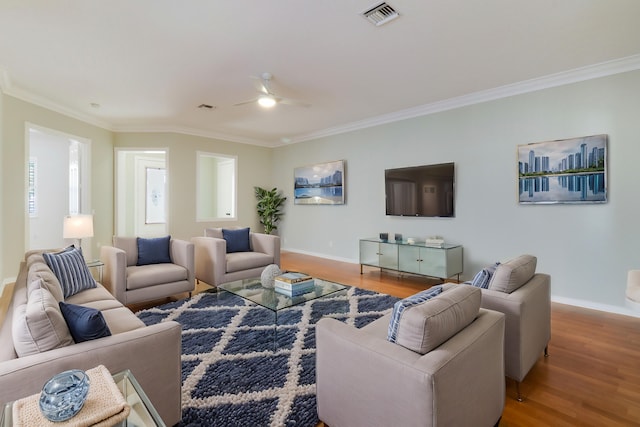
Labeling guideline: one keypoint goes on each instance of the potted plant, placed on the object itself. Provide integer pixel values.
(269, 207)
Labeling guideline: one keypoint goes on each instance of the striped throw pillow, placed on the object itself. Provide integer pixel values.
(400, 306)
(483, 277)
(71, 270)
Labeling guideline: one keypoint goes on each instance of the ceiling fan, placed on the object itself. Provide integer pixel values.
(267, 98)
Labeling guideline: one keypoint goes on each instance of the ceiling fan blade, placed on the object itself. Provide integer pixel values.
(251, 101)
(260, 85)
(295, 102)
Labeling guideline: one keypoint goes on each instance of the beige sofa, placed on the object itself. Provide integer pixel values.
(131, 283)
(152, 353)
(441, 371)
(524, 296)
(214, 265)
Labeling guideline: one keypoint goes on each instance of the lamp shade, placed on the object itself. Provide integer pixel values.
(77, 226)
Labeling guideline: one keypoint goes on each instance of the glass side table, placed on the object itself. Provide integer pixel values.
(98, 265)
(142, 414)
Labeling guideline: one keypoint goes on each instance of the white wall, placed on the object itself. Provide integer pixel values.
(587, 249)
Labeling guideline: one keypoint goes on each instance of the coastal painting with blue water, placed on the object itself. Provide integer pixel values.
(564, 171)
(319, 184)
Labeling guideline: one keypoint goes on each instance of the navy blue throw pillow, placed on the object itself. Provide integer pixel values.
(237, 240)
(153, 251)
(84, 323)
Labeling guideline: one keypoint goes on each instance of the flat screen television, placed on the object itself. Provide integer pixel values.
(421, 191)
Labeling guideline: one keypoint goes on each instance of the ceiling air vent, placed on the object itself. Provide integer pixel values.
(380, 14)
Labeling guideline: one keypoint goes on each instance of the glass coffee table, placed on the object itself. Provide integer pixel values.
(252, 290)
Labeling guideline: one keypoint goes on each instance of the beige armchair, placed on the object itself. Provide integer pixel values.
(214, 265)
(525, 298)
(365, 380)
(131, 283)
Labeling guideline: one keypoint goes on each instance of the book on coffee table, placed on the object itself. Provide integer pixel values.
(297, 289)
(293, 277)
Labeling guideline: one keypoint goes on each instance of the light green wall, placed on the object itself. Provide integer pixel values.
(254, 169)
(587, 249)
(15, 115)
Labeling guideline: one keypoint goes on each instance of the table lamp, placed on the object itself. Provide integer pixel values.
(78, 227)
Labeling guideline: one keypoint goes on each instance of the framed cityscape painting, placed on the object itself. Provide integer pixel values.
(319, 184)
(563, 171)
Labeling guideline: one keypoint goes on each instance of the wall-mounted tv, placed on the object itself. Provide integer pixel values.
(422, 191)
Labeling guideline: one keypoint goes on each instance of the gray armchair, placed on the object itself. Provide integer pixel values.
(525, 298)
(215, 265)
(131, 283)
(365, 380)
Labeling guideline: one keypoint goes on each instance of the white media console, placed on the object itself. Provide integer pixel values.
(415, 258)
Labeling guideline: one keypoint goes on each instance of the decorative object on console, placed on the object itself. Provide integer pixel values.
(77, 227)
(563, 171)
(384, 236)
(398, 237)
(319, 184)
(434, 241)
(269, 207)
(267, 278)
(411, 240)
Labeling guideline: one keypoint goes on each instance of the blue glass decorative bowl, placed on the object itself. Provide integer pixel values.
(64, 395)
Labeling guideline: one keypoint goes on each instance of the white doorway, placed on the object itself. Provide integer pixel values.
(57, 185)
(141, 192)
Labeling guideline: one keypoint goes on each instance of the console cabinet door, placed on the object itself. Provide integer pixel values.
(389, 256)
(378, 254)
(409, 258)
(434, 262)
(369, 253)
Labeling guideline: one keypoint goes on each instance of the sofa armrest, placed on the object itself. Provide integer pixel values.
(528, 322)
(152, 354)
(361, 377)
(210, 259)
(114, 276)
(267, 244)
(183, 254)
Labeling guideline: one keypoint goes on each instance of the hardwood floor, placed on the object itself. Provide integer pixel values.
(592, 374)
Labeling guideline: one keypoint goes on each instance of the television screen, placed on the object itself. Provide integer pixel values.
(426, 191)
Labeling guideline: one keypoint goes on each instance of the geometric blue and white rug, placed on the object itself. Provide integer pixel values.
(233, 375)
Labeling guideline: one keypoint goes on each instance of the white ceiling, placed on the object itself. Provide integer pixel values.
(150, 63)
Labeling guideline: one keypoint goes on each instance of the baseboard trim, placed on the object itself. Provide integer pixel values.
(614, 309)
(319, 255)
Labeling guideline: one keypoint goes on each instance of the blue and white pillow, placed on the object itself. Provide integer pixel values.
(400, 307)
(483, 277)
(71, 270)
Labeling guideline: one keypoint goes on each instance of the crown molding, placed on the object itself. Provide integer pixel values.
(193, 132)
(603, 69)
(616, 66)
(9, 89)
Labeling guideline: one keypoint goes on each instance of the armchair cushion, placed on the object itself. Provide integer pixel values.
(153, 250)
(237, 240)
(150, 275)
(85, 323)
(425, 326)
(514, 273)
(71, 270)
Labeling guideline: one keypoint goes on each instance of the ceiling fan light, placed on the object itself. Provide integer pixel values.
(267, 101)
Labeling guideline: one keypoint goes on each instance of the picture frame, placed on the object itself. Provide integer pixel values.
(319, 184)
(563, 171)
(155, 196)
